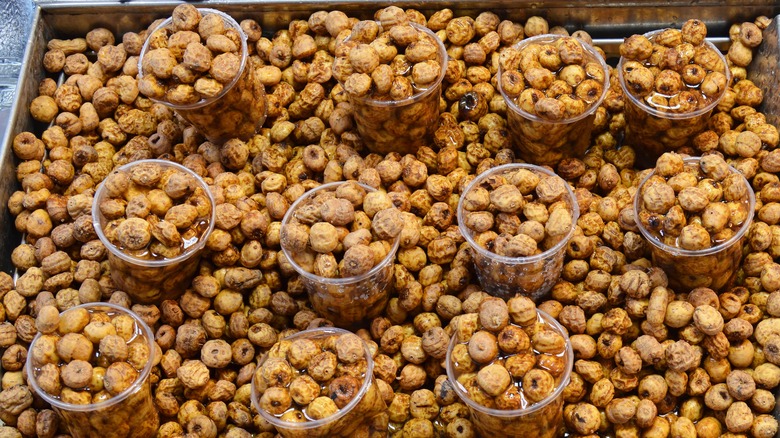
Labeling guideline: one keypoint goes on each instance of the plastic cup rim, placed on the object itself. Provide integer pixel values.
(142, 376)
(313, 424)
(667, 115)
(344, 281)
(422, 94)
(680, 252)
(546, 38)
(516, 413)
(467, 233)
(187, 254)
(203, 101)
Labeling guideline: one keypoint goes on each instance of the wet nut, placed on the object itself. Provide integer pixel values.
(494, 379)
(696, 217)
(316, 364)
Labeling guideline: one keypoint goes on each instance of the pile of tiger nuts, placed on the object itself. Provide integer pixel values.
(499, 363)
(507, 357)
(150, 211)
(391, 69)
(342, 233)
(674, 70)
(697, 205)
(650, 358)
(192, 59)
(552, 84)
(519, 213)
(311, 378)
(368, 62)
(154, 211)
(552, 80)
(197, 62)
(694, 207)
(673, 78)
(87, 356)
(520, 218)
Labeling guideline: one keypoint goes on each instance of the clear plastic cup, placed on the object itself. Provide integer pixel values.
(543, 419)
(547, 142)
(532, 276)
(238, 111)
(344, 301)
(401, 125)
(715, 267)
(146, 278)
(364, 415)
(651, 131)
(129, 414)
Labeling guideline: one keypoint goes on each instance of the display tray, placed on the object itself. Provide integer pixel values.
(608, 24)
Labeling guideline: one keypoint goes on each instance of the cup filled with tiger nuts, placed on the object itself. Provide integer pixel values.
(672, 80)
(197, 63)
(154, 218)
(509, 363)
(392, 71)
(518, 219)
(695, 213)
(320, 383)
(552, 86)
(92, 363)
(341, 238)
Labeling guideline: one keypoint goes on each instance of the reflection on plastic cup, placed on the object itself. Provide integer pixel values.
(532, 276)
(715, 267)
(154, 279)
(401, 125)
(652, 131)
(238, 111)
(543, 419)
(344, 301)
(129, 414)
(547, 142)
(364, 415)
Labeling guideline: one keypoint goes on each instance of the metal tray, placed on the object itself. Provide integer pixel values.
(608, 23)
